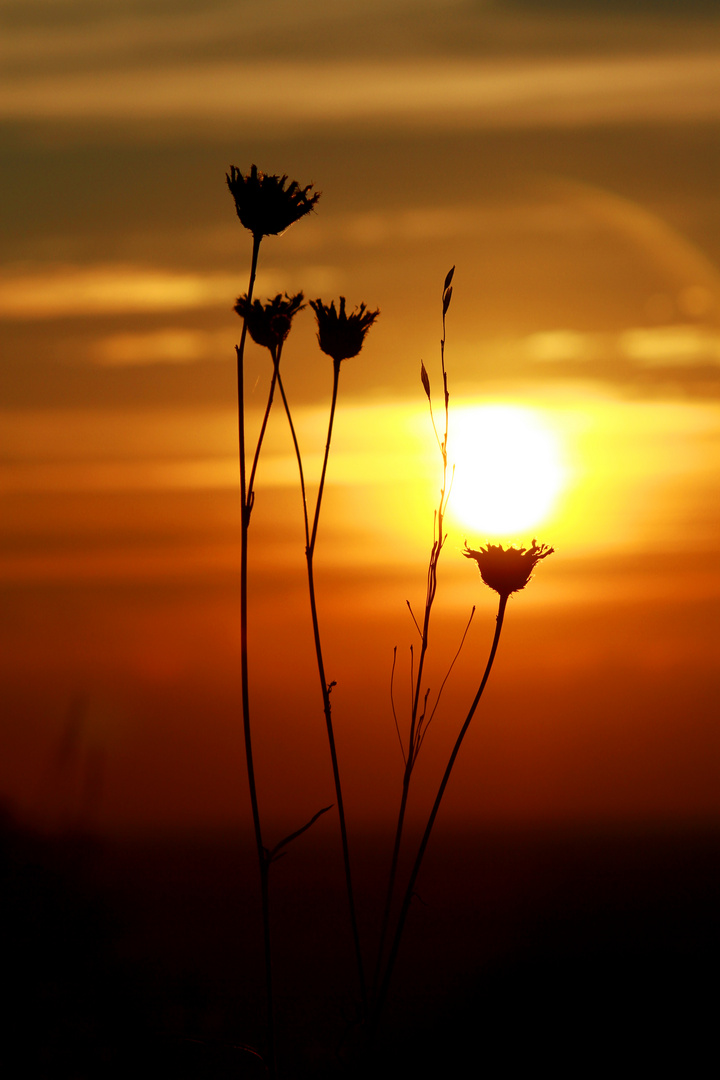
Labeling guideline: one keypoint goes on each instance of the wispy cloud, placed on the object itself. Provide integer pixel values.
(108, 289)
(174, 345)
(421, 92)
(68, 290)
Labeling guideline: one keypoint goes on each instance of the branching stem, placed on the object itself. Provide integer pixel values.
(382, 993)
(416, 717)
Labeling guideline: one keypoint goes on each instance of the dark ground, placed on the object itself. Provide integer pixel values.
(567, 951)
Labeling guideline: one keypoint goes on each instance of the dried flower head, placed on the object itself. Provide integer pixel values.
(269, 323)
(340, 335)
(264, 205)
(507, 570)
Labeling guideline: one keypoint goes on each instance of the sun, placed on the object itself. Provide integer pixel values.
(509, 470)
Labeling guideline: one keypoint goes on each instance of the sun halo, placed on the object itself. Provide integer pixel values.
(509, 469)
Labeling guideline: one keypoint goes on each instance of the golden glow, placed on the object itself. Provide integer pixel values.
(109, 289)
(590, 475)
(522, 91)
(508, 468)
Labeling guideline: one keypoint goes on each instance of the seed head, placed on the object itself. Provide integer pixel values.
(269, 323)
(507, 570)
(264, 205)
(340, 335)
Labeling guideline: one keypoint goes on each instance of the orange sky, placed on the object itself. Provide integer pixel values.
(569, 169)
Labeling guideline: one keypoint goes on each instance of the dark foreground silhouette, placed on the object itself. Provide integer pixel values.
(525, 948)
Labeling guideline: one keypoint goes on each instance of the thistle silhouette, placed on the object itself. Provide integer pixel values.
(507, 570)
(269, 323)
(341, 335)
(266, 207)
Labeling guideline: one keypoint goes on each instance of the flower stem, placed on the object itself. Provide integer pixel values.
(246, 508)
(261, 436)
(333, 403)
(380, 1000)
(311, 539)
(297, 452)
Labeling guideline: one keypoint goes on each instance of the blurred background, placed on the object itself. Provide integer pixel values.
(564, 156)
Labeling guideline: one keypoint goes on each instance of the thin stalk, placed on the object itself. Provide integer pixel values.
(407, 772)
(413, 748)
(333, 403)
(311, 539)
(263, 426)
(415, 737)
(246, 507)
(380, 1001)
(297, 452)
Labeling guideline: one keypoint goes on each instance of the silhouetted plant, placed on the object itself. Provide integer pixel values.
(269, 325)
(506, 571)
(419, 716)
(266, 207)
(340, 336)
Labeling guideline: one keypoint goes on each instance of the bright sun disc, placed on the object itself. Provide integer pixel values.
(508, 468)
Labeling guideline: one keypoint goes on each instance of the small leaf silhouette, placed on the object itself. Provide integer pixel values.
(277, 851)
(425, 379)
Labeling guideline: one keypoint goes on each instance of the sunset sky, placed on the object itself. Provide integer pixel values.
(565, 157)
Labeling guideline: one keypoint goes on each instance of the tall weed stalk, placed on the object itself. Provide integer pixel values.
(267, 206)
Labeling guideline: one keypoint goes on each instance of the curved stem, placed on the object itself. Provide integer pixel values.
(246, 508)
(263, 426)
(433, 814)
(333, 403)
(297, 451)
(338, 787)
(310, 540)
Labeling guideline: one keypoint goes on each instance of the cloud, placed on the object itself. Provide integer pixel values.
(450, 92)
(660, 346)
(109, 289)
(171, 345)
(643, 346)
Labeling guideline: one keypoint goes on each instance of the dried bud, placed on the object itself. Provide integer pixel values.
(424, 378)
(263, 203)
(340, 335)
(507, 570)
(269, 323)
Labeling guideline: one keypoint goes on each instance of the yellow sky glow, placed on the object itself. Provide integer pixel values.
(604, 475)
